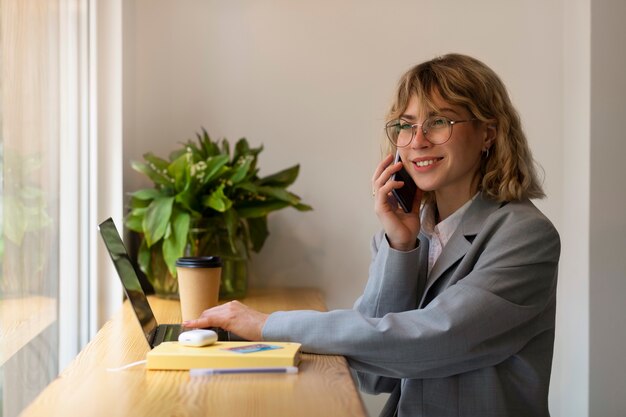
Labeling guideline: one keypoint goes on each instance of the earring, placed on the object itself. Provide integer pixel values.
(486, 153)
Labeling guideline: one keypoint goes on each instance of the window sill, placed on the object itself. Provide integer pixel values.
(21, 320)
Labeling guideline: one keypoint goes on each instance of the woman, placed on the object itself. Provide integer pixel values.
(457, 318)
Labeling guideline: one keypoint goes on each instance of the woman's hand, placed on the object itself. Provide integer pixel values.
(234, 317)
(401, 228)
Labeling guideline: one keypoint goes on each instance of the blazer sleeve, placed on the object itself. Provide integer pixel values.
(392, 284)
(501, 302)
(391, 287)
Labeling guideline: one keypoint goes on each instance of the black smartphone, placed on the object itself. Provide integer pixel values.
(406, 194)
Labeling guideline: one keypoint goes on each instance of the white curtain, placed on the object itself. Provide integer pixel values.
(30, 115)
(60, 153)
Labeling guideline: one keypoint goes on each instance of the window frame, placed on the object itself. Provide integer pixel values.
(91, 183)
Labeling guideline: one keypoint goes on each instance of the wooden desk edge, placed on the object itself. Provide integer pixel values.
(307, 298)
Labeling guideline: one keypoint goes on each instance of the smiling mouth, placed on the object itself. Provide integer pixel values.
(427, 162)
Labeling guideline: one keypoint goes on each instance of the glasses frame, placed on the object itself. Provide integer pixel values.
(414, 126)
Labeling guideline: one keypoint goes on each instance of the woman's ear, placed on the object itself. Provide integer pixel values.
(491, 130)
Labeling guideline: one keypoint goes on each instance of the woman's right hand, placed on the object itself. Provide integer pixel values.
(401, 228)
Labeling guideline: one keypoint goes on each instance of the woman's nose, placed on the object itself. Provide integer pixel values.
(419, 139)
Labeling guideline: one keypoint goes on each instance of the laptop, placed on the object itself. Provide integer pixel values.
(155, 333)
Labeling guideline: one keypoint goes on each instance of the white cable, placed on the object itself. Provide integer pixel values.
(130, 365)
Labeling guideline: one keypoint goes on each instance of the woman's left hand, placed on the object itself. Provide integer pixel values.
(234, 317)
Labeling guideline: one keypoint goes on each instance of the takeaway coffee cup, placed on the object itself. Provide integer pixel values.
(198, 284)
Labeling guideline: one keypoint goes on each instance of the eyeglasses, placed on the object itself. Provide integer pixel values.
(436, 129)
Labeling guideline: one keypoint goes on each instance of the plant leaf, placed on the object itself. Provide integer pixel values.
(258, 232)
(157, 218)
(186, 199)
(217, 200)
(136, 204)
(134, 222)
(179, 170)
(303, 207)
(276, 193)
(146, 194)
(282, 178)
(279, 194)
(209, 147)
(143, 258)
(241, 149)
(159, 163)
(174, 155)
(174, 245)
(248, 186)
(225, 147)
(241, 169)
(260, 208)
(158, 177)
(214, 165)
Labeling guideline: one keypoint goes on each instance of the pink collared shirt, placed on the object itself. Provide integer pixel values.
(439, 234)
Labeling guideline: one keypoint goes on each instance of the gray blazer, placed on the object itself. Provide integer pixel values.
(475, 338)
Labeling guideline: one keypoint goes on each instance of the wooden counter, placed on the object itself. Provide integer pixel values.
(323, 387)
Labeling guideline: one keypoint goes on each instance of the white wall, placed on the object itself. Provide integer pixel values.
(607, 365)
(569, 389)
(311, 81)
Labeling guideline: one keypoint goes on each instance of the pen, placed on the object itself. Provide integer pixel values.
(225, 371)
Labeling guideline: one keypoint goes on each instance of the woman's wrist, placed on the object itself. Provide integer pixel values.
(402, 246)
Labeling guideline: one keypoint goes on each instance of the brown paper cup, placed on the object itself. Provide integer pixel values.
(198, 284)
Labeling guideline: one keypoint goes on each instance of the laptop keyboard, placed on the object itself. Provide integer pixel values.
(170, 332)
(166, 333)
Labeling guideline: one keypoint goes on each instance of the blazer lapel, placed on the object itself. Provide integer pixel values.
(461, 239)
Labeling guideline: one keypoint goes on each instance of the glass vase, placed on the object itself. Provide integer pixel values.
(164, 284)
(209, 238)
(234, 283)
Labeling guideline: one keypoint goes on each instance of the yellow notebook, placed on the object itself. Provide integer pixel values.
(174, 356)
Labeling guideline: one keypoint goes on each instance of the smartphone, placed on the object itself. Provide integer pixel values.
(406, 194)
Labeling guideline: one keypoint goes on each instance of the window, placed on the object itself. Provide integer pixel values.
(30, 138)
(60, 175)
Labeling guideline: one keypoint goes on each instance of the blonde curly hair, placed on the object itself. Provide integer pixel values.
(508, 172)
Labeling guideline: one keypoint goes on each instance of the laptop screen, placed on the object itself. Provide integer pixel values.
(128, 276)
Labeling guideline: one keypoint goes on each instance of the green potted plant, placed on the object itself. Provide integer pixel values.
(206, 201)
